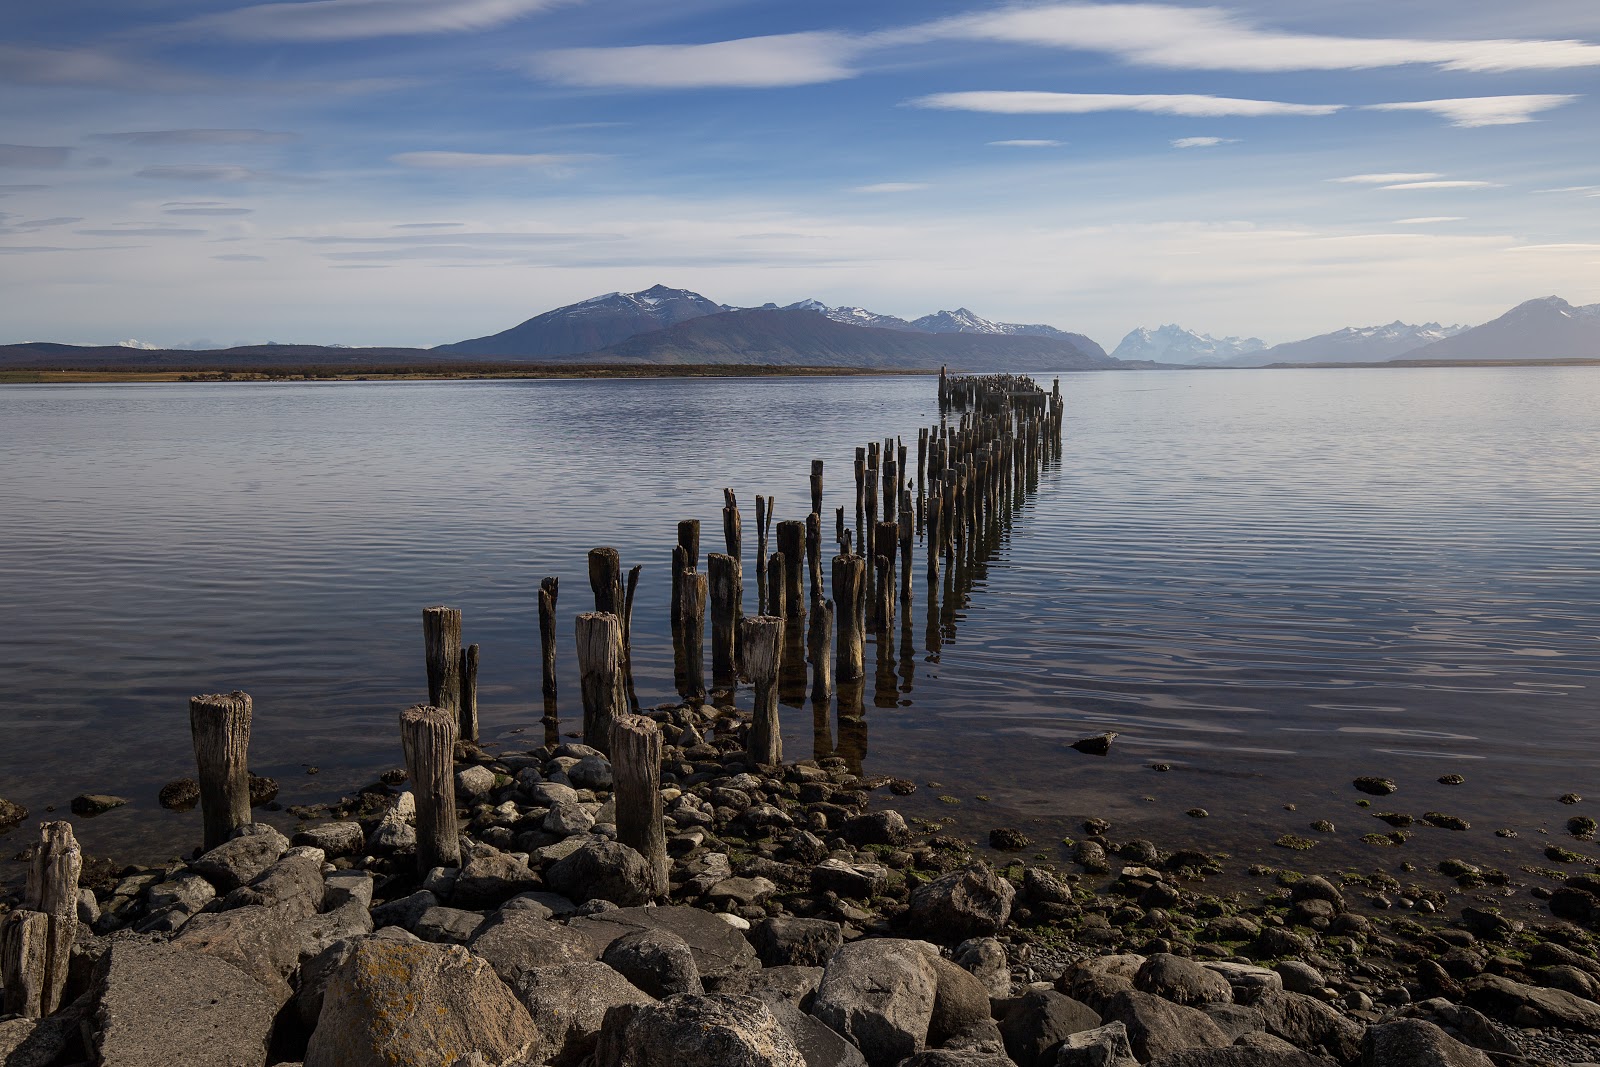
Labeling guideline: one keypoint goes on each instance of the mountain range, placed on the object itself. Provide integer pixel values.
(1174, 344)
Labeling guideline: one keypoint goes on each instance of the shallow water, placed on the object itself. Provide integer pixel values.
(1271, 581)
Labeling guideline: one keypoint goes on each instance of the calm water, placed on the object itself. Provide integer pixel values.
(1272, 581)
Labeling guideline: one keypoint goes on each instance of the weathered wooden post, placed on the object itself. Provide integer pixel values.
(819, 643)
(469, 693)
(906, 522)
(36, 940)
(694, 631)
(887, 539)
(891, 481)
(428, 737)
(599, 637)
(816, 486)
(861, 492)
(839, 531)
(732, 526)
(220, 725)
(777, 587)
(792, 545)
(636, 790)
(441, 637)
(849, 577)
(685, 557)
(762, 640)
(726, 590)
(763, 524)
(680, 567)
(814, 555)
(605, 579)
(549, 589)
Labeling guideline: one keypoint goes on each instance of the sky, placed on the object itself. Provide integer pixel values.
(415, 172)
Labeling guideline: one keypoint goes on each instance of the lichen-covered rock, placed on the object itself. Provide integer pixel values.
(972, 902)
(696, 1031)
(657, 961)
(879, 993)
(569, 1002)
(602, 869)
(392, 1004)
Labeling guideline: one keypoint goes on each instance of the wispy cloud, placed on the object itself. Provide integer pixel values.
(484, 238)
(1203, 142)
(26, 65)
(1483, 110)
(346, 20)
(1387, 178)
(1004, 102)
(213, 212)
(428, 225)
(1210, 38)
(487, 160)
(13, 190)
(208, 172)
(1425, 220)
(143, 231)
(15, 225)
(1026, 143)
(38, 157)
(192, 137)
(240, 257)
(1562, 189)
(750, 62)
(890, 187)
(1443, 185)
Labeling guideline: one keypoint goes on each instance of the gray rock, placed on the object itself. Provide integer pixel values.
(820, 1046)
(405, 911)
(602, 869)
(564, 820)
(42, 1042)
(442, 925)
(958, 1057)
(1308, 1025)
(1248, 980)
(1039, 1021)
(1157, 1027)
(723, 957)
(473, 784)
(657, 961)
(334, 838)
(876, 828)
(1415, 1043)
(515, 941)
(1182, 981)
(879, 993)
(786, 940)
(547, 905)
(292, 886)
(785, 985)
(1239, 1056)
(1467, 1025)
(1300, 977)
(858, 881)
(972, 902)
(960, 1005)
(394, 1003)
(315, 933)
(236, 861)
(985, 958)
(156, 1006)
(491, 878)
(696, 1031)
(1097, 979)
(591, 772)
(260, 941)
(343, 887)
(553, 795)
(1525, 1005)
(1104, 1046)
(1235, 1020)
(89, 805)
(395, 832)
(569, 1002)
(314, 973)
(186, 889)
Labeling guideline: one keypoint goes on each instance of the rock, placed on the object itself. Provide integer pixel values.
(1239, 1056)
(1300, 977)
(786, 940)
(1316, 887)
(1235, 1020)
(395, 832)
(723, 957)
(442, 925)
(517, 941)
(696, 1031)
(181, 794)
(876, 828)
(565, 820)
(334, 838)
(259, 941)
(657, 961)
(186, 890)
(604, 869)
(262, 790)
(957, 1057)
(1525, 1005)
(1104, 1046)
(315, 933)
(473, 784)
(157, 1006)
(985, 958)
(960, 1003)
(879, 993)
(316, 971)
(858, 881)
(971, 902)
(238, 860)
(292, 886)
(1098, 745)
(394, 1003)
(490, 878)
(1157, 1027)
(1096, 980)
(1374, 786)
(591, 772)
(1008, 839)
(1182, 981)
(11, 813)
(1308, 1025)
(1039, 1022)
(1415, 1043)
(558, 906)
(746, 892)
(405, 911)
(787, 985)
(89, 805)
(819, 1046)
(43, 1042)
(1039, 886)
(343, 887)
(569, 1003)
(1247, 980)
(1465, 1024)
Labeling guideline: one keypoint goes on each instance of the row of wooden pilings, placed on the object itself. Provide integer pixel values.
(968, 469)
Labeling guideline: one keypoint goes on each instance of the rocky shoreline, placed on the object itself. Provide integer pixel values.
(807, 923)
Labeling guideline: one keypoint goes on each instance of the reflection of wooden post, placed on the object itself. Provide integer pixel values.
(600, 668)
(792, 544)
(220, 724)
(636, 786)
(441, 636)
(549, 589)
(469, 693)
(36, 940)
(428, 736)
(849, 579)
(820, 642)
(694, 631)
(727, 595)
(762, 640)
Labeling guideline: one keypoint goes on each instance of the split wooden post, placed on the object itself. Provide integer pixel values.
(605, 579)
(36, 940)
(549, 589)
(24, 962)
(816, 486)
(220, 725)
(792, 544)
(469, 693)
(688, 559)
(777, 586)
(763, 524)
(861, 490)
(762, 639)
(839, 532)
(732, 532)
(849, 579)
(680, 566)
(726, 588)
(428, 736)
(891, 482)
(636, 790)
(886, 538)
(599, 636)
(814, 555)
(820, 649)
(441, 637)
(693, 623)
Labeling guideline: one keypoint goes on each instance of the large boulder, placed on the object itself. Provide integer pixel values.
(958, 1057)
(820, 1046)
(1157, 1027)
(657, 961)
(971, 902)
(1182, 981)
(1104, 1046)
(960, 1006)
(1415, 1043)
(516, 941)
(1526, 1005)
(1038, 1022)
(1308, 1024)
(334, 838)
(569, 1002)
(491, 878)
(986, 958)
(696, 1031)
(789, 941)
(292, 886)
(723, 957)
(1239, 1056)
(391, 1003)
(1098, 979)
(605, 870)
(260, 941)
(879, 993)
(239, 859)
(155, 1006)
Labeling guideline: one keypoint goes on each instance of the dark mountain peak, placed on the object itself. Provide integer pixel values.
(591, 324)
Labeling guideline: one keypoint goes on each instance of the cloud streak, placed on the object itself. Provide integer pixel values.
(487, 160)
(209, 172)
(890, 187)
(1008, 102)
(35, 157)
(349, 20)
(1387, 178)
(749, 63)
(1203, 142)
(1483, 110)
(193, 137)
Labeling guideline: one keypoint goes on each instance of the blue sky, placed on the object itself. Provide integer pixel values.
(419, 171)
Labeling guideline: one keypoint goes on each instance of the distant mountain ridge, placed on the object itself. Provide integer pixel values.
(590, 325)
(1174, 344)
(1355, 344)
(1545, 328)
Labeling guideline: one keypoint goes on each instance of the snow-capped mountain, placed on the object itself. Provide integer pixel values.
(591, 324)
(1174, 344)
(1546, 328)
(851, 316)
(962, 320)
(1356, 344)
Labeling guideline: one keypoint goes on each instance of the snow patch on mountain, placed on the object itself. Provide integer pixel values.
(1174, 344)
(851, 316)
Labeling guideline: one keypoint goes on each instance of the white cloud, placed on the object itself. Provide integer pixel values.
(61, 66)
(188, 137)
(1209, 38)
(486, 160)
(1387, 178)
(1483, 110)
(890, 187)
(1424, 220)
(1443, 185)
(143, 231)
(346, 20)
(749, 62)
(1565, 246)
(1571, 189)
(1042, 103)
(1026, 143)
(1203, 142)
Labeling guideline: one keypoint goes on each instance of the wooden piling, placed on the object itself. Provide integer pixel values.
(549, 589)
(36, 940)
(906, 523)
(599, 637)
(693, 623)
(883, 594)
(861, 490)
(469, 693)
(792, 545)
(849, 581)
(839, 531)
(763, 527)
(428, 736)
(777, 589)
(726, 591)
(220, 725)
(24, 962)
(605, 579)
(636, 792)
(732, 529)
(762, 640)
(819, 641)
(814, 555)
(441, 636)
(816, 486)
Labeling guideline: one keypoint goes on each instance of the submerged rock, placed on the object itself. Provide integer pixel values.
(181, 794)
(1098, 745)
